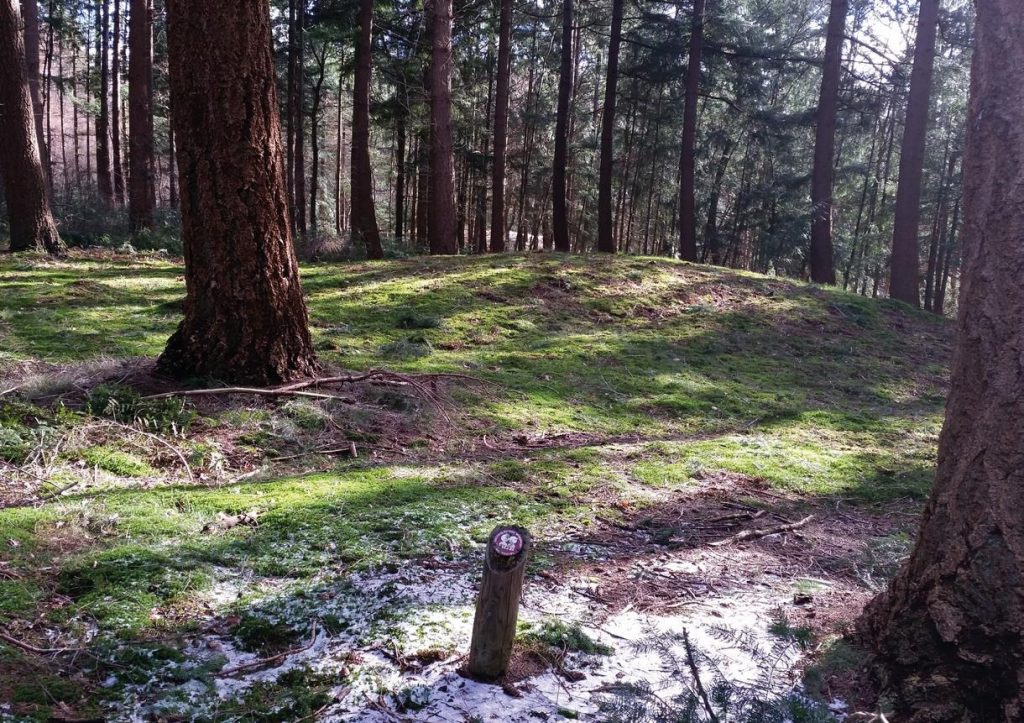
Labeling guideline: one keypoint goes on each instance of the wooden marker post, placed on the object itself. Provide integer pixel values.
(497, 606)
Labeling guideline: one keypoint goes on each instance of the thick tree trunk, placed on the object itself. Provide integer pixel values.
(823, 270)
(498, 231)
(605, 222)
(949, 631)
(141, 189)
(28, 210)
(364, 215)
(30, 16)
(903, 280)
(441, 222)
(687, 153)
(245, 318)
(559, 190)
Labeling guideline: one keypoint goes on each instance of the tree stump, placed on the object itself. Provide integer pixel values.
(497, 606)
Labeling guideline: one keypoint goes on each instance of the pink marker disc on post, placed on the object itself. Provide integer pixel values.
(508, 543)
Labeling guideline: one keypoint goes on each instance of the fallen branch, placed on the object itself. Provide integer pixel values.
(272, 659)
(691, 663)
(763, 532)
(29, 648)
(378, 376)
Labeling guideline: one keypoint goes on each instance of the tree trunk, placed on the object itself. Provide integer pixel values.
(400, 178)
(298, 119)
(28, 210)
(823, 269)
(687, 153)
(115, 105)
(104, 180)
(314, 136)
(441, 221)
(498, 230)
(559, 190)
(30, 16)
(140, 111)
(948, 631)
(903, 280)
(245, 318)
(605, 225)
(364, 215)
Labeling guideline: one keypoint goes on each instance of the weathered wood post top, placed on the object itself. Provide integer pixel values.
(497, 605)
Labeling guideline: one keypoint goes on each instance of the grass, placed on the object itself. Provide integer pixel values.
(663, 372)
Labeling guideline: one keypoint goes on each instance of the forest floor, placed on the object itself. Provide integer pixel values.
(235, 557)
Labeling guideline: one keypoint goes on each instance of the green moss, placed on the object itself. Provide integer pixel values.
(563, 637)
(115, 461)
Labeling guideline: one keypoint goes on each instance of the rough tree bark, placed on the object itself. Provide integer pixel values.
(441, 220)
(949, 631)
(498, 231)
(687, 154)
(28, 209)
(559, 170)
(364, 215)
(115, 105)
(245, 318)
(30, 16)
(104, 180)
(298, 119)
(823, 269)
(605, 223)
(141, 187)
(903, 279)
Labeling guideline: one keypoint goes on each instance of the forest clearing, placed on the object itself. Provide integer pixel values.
(627, 361)
(632, 413)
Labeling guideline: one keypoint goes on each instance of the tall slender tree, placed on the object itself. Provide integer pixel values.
(28, 209)
(115, 105)
(298, 101)
(904, 272)
(364, 214)
(141, 185)
(559, 170)
(441, 219)
(605, 223)
(688, 148)
(245, 317)
(949, 628)
(823, 269)
(501, 96)
(104, 179)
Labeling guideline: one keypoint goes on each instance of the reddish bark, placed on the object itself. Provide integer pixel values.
(245, 318)
(948, 631)
(141, 186)
(28, 210)
(442, 218)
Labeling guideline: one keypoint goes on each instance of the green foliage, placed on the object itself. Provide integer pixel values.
(123, 404)
(564, 637)
(14, 443)
(111, 459)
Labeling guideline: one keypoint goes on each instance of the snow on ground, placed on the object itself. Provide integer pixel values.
(397, 639)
